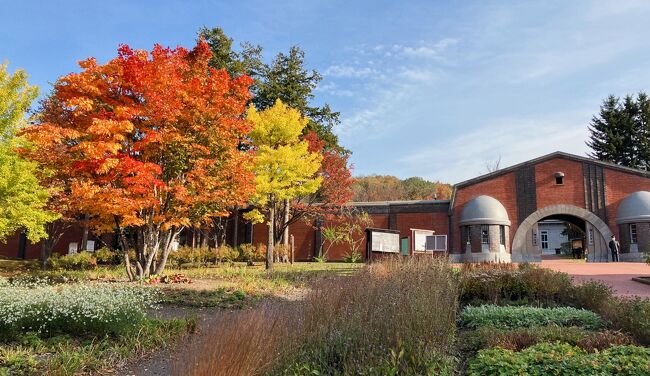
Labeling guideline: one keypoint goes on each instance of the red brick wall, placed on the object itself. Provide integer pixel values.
(571, 192)
(304, 234)
(618, 185)
(33, 251)
(501, 188)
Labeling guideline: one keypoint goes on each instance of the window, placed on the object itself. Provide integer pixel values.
(544, 239)
(633, 233)
(485, 234)
(467, 234)
(559, 180)
(437, 243)
(502, 235)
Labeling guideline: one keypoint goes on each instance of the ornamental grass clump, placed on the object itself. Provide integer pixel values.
(524, 317)
(81, 309)
(394, 317)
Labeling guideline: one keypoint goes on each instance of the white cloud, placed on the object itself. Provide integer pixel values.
(429, 51)
(515, 140)
(349, 71)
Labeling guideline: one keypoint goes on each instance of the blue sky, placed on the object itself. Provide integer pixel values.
(431, 89)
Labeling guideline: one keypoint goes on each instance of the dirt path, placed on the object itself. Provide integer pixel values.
(618, 275)
(159, 363)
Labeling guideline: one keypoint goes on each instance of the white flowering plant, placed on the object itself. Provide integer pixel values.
(76, 309)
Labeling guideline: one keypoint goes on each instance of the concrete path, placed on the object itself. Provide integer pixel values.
(616, 274)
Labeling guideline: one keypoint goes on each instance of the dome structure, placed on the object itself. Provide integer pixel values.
(634, 208)
(484, 210)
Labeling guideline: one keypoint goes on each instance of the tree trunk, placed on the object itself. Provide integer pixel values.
(285, 235)
(124, 244)
(235, 226)
(271, 242)
(84, 236)
(169, 237)
(46, 251)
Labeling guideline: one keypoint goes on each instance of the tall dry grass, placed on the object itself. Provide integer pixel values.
(394, 317)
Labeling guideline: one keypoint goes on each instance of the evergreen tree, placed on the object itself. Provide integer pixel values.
(286, 78)
(247, 61)
(620, 133)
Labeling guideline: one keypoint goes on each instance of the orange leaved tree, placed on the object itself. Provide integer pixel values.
(151, 144)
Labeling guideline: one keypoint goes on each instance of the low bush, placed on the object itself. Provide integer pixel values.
(561, 359)
(77, 261)
(251, 253)
(226, 253)
(504, 284)
(524, 317)
(353, 257)
(108, 256)
(192, 256)
(521, 338)
(629, 314)
(75, 309)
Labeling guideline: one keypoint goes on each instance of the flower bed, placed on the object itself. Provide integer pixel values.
(74, 309)
(523, 317)
(562, 359)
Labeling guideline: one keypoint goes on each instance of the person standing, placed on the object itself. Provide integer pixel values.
(615, 248)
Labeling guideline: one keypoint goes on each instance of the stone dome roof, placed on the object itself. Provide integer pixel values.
(634, 208)
(484, 210)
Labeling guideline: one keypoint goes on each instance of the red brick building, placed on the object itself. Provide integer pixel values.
(493, 217)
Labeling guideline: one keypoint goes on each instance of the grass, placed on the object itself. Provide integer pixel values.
(221, 298)
(31, 354)
(390, 318)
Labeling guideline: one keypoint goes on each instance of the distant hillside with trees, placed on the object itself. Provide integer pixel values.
(391, 188)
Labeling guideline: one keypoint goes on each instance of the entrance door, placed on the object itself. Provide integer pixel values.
(544, 237)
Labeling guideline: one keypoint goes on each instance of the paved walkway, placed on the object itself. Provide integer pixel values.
(618, 275)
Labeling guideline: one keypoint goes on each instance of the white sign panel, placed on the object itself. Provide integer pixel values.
(384, 242)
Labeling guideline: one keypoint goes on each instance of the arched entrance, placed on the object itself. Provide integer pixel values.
(525, 246)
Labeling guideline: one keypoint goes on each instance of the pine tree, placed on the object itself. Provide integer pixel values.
(287, 79)
(620, 133)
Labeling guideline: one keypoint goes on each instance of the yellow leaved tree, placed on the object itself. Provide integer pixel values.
(284, 167)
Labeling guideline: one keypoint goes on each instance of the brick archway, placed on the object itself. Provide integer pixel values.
(523, 249)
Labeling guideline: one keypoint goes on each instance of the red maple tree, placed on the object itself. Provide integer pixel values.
(150, 143)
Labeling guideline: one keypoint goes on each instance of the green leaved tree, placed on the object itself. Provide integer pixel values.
(284, 167)
(22, 199)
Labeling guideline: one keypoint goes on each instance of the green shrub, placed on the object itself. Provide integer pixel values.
(503, 284)
(352, 257)
(561, 359)
(226, 253)
(77, 261)
(108, 256)
(521, 338)
(590, 295)
(523, 317)
(250, 253)
(192, 256)
(630, 315)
